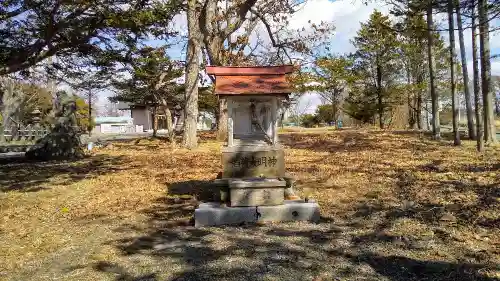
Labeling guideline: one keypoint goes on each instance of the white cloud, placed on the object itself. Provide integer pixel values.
(308, 102)
(179, 23)
(346, 16)
(495, 68)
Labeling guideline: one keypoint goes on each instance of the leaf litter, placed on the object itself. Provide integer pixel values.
(394, 206)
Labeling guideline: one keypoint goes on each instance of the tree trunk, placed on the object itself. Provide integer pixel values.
(155, 121)
(222, 120)
(411, 113)
(411, 119)
(412, 122)
(189, 139)
(420, 77)
(484, 46)
(419, 102)
(436, 129)
(170, 125)
(477, 97)
(2, 127)
(379, 98)
(419, 110)
(335, 116)
(168, 118)
(465, 73)
(454, 100)
(427, 116)
(217, 116)
(89, 126)
(10, 104)
(282, 117)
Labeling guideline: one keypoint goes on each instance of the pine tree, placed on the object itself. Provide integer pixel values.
(454, 99)
(152, 82)
(332, 75)
(484, 47)
(414, 40)
(477, 95)
(436, 128)
(377, 59)
(465, 73)
(74, 31)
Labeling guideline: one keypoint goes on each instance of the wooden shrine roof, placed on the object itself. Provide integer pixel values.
(251, 80)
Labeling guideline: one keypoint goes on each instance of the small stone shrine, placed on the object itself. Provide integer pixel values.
(253, 186)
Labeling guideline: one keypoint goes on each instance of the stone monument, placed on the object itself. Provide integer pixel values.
(253, 185)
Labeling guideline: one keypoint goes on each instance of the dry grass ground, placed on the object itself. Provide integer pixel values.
(395, 206)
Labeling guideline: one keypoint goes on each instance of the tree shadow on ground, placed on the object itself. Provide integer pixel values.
(399, 268)
(206, 254)
(206, 191)
(330, 250)
(362, 243)
(486, 197)
(480, 169)
(421, 225)
(139, 144)
(121, 274)
(445, 136)
(32, 176)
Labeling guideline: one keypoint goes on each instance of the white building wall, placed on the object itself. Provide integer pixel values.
(142, 117)
(118, 128)
(96, 129)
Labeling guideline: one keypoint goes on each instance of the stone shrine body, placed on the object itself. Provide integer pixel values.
(253, 186)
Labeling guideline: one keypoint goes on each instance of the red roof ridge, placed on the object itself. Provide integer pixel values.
(249, 70)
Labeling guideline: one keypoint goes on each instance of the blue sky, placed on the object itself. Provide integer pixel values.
(346, 16)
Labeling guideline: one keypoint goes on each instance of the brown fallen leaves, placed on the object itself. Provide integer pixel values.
(396, 186)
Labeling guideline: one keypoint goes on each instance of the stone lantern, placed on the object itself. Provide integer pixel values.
(254, 187)
(35, 116)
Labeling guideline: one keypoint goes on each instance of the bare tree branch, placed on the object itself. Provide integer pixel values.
(242, 12)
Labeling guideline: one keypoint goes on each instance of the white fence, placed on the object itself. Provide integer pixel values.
(117, 129)
(20, 133)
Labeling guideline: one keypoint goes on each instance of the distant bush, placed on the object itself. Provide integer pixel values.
(82, 116)
(309, 120)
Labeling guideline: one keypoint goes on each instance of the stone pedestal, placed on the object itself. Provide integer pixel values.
(213, 214)
(249, 161)
(256, 192)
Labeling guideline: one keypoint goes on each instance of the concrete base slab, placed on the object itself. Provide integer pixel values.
(212, 214)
